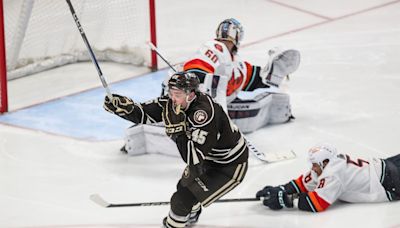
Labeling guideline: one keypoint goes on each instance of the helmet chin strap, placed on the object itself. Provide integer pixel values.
(188, 101)
(178, 107)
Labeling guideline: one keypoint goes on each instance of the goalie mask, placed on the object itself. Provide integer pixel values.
(185, 81)
(320, 153)
(231, 30)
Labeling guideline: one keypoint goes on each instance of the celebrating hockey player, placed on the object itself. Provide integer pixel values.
(335, 176)
(210, 144)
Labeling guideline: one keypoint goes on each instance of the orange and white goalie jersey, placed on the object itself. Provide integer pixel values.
(344, 178)
(220, 71)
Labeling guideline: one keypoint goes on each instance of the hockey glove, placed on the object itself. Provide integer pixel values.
(174, 121)
(118, 105)
(279, 199)
(266, 191)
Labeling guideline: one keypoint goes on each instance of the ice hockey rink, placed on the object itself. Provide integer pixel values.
(58, 146)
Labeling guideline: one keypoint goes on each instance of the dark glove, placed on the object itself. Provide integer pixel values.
(279, 199)
(190, 173)
(175, 122)
(267, 191)
(118, 105)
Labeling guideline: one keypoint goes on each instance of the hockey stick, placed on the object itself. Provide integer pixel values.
(275, 157)
(91, 53)
(260, 155)
(96, 198)
(178, 107)
(161, 56)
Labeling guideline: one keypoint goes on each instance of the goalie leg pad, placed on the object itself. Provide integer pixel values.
(280, 111)
(142, 139)
(250, 115)
(135, 142)
(265, 108)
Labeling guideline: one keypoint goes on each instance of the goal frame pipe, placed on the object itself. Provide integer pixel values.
(3, 65)
(153, 34)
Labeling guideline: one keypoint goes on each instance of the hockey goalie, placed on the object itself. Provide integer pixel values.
(251, 95)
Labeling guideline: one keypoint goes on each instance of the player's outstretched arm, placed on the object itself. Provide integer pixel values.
(124, 107)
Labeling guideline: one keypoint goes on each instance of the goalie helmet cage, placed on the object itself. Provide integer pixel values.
(37, 35)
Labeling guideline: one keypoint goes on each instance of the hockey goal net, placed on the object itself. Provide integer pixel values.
(41, 34)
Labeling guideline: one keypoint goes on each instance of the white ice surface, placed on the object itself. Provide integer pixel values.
(345, 92)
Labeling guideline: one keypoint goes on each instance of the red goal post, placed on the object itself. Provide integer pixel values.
(37, 35)
(3, 67)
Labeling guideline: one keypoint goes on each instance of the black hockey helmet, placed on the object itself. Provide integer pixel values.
(185, 81)
(231, 30)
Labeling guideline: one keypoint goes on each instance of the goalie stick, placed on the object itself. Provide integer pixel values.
(258, 154)
(96, 198)
(161, 56)
(91, 53)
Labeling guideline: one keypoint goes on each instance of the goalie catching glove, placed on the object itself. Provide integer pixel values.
(118, 105)
(280, 64)
(174, 121)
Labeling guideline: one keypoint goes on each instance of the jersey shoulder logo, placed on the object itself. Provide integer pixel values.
(219, 47)
(200, 116)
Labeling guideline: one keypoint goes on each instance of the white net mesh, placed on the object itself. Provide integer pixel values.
(41, 34)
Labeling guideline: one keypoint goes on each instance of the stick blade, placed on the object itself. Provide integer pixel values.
(280, 156)
(275, 156)
(99, 200)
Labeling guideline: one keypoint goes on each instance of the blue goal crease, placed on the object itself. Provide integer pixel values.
(82, 115)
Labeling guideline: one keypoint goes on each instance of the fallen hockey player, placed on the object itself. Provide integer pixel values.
(334, 176)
